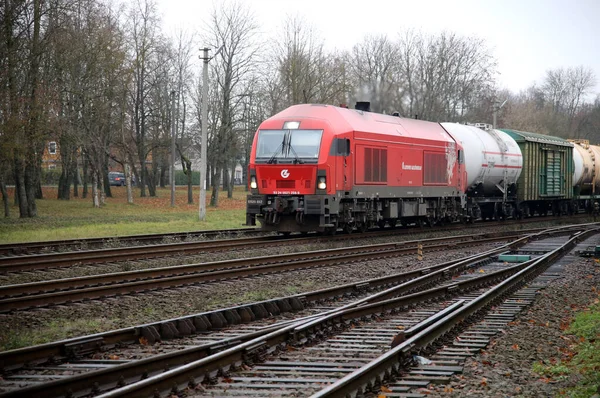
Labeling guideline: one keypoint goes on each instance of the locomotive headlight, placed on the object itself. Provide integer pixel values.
(253, 183)
(321, 184)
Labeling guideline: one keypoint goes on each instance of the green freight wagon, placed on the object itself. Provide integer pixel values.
(546, 181)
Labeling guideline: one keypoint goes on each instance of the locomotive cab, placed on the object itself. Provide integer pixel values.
(290, 178)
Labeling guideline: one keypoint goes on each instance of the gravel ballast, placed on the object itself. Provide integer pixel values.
(538, 334)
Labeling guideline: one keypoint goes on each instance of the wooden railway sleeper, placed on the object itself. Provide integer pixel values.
(82, 347)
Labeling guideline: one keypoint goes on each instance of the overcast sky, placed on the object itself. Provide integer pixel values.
(527, 37)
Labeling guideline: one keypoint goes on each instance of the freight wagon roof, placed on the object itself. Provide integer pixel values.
(343, 120)
(522, 136)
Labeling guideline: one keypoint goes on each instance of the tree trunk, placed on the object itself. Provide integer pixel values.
(151, 182)
(39, 194)
(64, 183)
(75, 173)
(95, 198)
(143, 171)
(231, 182)
(163, 175)
(85, 177)
(128, 183)
(106, 185)
(102, 192)
(105, 179)
(225, 177)
(5, 199)
(30, 176)
(214, 197)
(61, 184)
(190, 187)
(30, 190)
(20, 193)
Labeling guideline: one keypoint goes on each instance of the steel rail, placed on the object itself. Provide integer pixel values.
(389, 363)
(20, 248)
(56, 260)
(102, 378)
(14, 359)
(83, 288)
(194, 372)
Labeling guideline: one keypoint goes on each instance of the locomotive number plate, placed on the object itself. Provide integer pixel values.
(286, 192)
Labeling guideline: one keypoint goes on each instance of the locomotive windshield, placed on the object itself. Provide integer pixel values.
(288, 146)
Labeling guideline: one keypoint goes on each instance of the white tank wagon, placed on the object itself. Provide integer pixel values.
(492, 158)
(587, 167)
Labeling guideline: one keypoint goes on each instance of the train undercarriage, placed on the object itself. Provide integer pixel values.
(328, 214)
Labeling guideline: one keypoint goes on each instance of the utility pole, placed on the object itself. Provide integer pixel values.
(496, 109)
(204, 138)
(172, 173)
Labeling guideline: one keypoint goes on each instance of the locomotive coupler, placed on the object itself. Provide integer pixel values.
(285, 205)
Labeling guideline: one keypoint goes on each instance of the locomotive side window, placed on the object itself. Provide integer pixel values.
(288, 146)
(340, 147)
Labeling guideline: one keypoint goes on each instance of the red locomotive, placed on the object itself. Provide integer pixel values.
(321, 168)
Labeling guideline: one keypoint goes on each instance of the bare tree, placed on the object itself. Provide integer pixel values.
(444, 75)
(374, 71)
(306, 73)
(142, 32)
(28, 97)
(233, 30)
(565, 90)
(183, 55)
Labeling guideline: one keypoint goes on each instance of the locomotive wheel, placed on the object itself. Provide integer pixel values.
(362, 227)
(381, 224)
(348, 228)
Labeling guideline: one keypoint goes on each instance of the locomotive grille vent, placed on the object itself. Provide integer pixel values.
(375, 165)
(286, 184)
(435, 168)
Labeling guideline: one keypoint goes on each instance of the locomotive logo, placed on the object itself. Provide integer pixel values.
(285, 173)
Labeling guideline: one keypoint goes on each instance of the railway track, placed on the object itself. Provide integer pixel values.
(154, 367)
(348, 353)
(33, 262)
(68, 290)
(27, 248)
